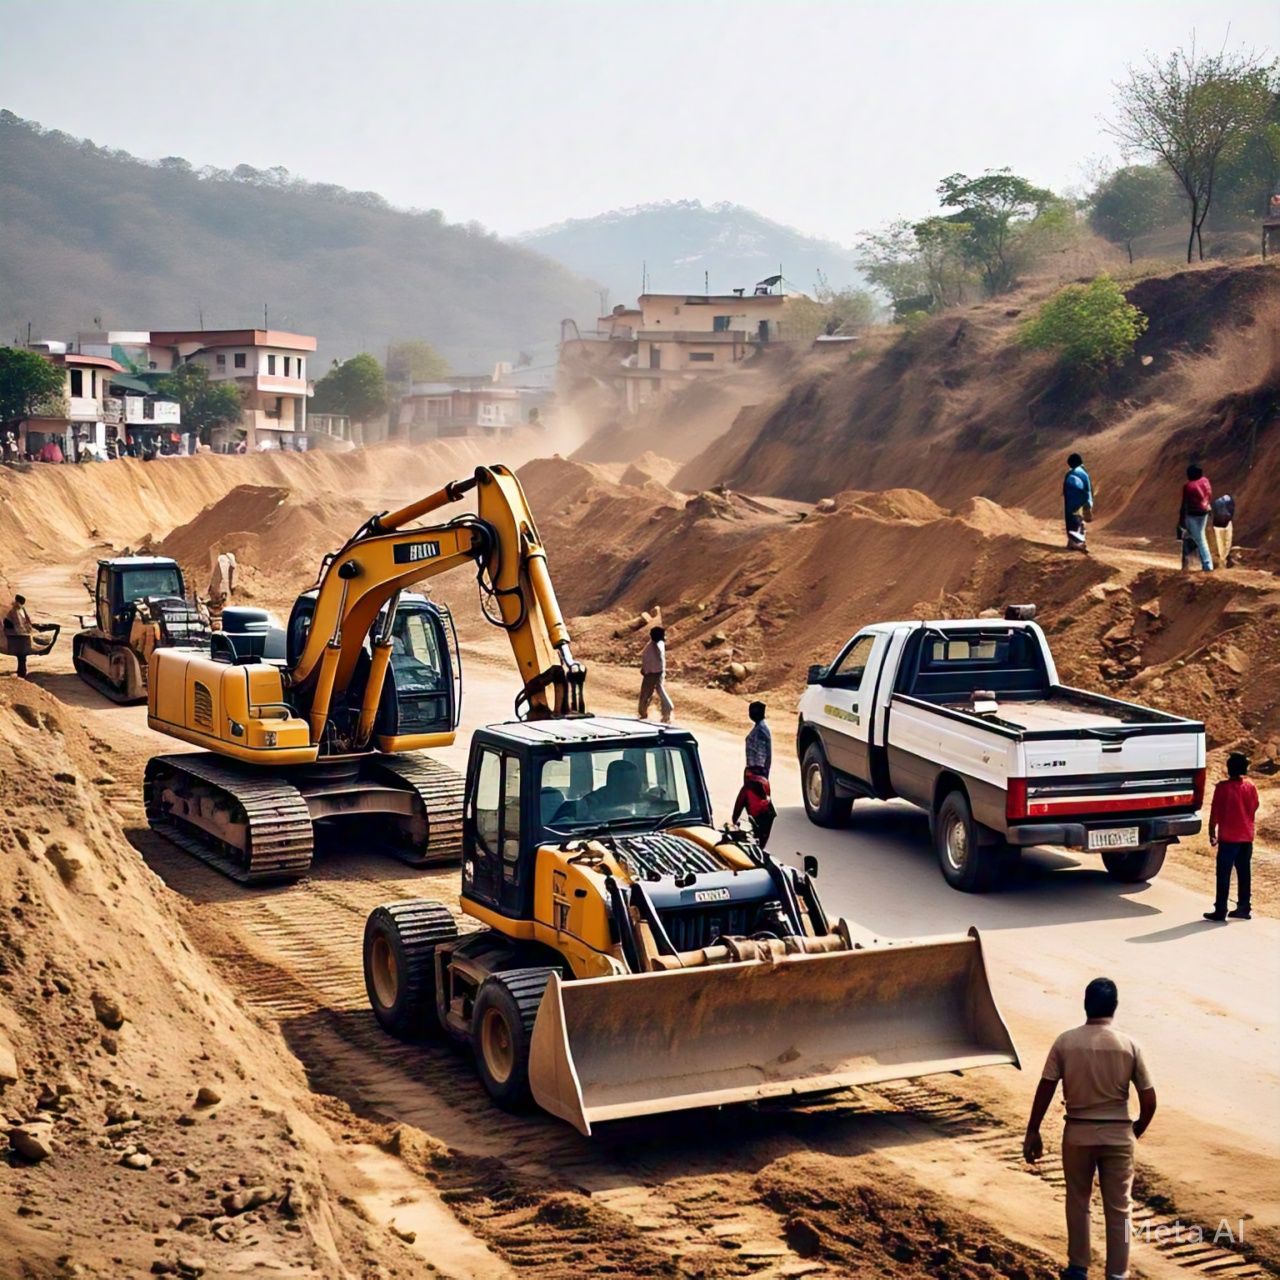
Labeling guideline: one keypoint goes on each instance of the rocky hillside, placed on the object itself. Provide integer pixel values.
(959, 409)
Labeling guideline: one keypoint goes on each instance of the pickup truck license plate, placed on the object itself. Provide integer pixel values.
(1114, 838)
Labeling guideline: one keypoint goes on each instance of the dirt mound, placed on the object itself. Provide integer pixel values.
(115, 1025)
(959, 409)
(51, 514)
(895, 504)
(649, 466)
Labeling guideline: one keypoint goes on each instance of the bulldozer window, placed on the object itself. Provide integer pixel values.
(140, 583)
(588, 787)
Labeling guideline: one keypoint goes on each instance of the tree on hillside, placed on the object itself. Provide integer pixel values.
(27, 382)
(829, 311)
(1133, 202)
(1090, 326)
(919, 266)
(204, 404)
(1249, 175)
(355, 387)
(1194, 111)
(997, 209)
(413, 360)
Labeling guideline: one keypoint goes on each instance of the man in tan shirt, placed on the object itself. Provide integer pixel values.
(1096, 1064)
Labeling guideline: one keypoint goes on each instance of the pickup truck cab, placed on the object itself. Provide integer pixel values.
(968, 720)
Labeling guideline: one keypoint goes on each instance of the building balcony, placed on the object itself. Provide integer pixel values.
(143, 412)
(726, 336)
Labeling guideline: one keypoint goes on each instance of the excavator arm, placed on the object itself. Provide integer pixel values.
(385, 557)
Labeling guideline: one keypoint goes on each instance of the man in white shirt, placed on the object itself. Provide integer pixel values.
(653, 670)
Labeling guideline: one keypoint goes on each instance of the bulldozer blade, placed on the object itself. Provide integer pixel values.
(607, 1048)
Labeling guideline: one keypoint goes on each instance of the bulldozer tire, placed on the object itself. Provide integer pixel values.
(824, 807)
(501, 1029)
(966, 864)
(1134, 866)
(400, 939)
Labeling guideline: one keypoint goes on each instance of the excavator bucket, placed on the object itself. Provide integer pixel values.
(607, 1048)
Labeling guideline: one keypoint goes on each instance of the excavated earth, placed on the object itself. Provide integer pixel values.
(132, 978)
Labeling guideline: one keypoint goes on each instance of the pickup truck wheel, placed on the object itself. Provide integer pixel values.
(966, 865)
(824, 807)
(1133, 866)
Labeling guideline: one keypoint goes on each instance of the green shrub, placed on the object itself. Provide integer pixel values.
(1090, 326)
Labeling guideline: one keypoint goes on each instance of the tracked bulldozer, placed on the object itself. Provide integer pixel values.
(140, 605)
(633, 959)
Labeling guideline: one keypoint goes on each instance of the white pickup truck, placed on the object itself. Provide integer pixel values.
(967, 719)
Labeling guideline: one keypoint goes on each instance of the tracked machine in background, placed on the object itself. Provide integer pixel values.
(320, 724)
(140, 605)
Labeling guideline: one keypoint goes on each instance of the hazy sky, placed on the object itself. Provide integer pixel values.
(830, 115)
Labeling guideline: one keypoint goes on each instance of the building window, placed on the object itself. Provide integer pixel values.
(271, 364)
(221, 359)
(300, 366)
(93, 383)
(655, 357)
(722, 324)
(239, 360)
(704, 357)
(287, 363)
(77, 382)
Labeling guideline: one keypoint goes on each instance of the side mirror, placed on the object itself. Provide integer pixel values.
(810, 866)
(818, 673)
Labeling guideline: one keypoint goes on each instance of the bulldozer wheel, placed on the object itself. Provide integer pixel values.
(400, 939)
(501, 1028)
(824, 807)
(1134, 866)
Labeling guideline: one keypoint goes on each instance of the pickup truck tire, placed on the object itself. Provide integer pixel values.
(966, 864)
(1133, 866)
(817, 782)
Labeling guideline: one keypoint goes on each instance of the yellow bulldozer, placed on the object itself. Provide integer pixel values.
(634, 959)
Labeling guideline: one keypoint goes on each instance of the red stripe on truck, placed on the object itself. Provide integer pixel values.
(1116, 804)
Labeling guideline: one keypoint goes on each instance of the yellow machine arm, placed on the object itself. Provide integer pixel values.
(384, 558)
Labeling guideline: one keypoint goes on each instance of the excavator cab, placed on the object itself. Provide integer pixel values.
(422, 690)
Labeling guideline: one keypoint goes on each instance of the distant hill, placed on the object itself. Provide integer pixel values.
(86, 231)
(680, 240)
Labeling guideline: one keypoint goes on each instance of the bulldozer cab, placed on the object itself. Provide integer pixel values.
(547, 782)
(122, 583)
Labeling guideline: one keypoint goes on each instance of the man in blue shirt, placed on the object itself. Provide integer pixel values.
(1077, 495)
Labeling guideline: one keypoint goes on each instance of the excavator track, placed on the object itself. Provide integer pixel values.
(441, 790)
(271, 830)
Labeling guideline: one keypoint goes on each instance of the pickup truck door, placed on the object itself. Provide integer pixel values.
(845, 710)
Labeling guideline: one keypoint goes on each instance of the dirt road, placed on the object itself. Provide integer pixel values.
(767, 1192)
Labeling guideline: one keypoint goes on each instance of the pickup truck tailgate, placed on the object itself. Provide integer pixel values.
(1113, 770)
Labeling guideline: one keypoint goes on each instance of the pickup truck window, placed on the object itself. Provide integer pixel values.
(949, 667)
(847, 673)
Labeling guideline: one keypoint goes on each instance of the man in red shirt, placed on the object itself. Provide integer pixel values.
(1231, 823)
(1193, 518)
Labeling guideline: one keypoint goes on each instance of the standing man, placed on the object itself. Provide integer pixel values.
(653, 672)
(1077, 502)
(1193, 518)
(1096, 1064)
(17, 626)
(1231, 826)
(1224, 514)
(759, 741)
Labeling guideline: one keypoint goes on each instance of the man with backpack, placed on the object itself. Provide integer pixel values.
(1077, 502)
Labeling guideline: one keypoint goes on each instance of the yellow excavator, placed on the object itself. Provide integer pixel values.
(321, 721)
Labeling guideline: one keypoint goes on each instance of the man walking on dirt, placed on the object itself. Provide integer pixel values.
(1193, 517)
(1231, 826)
(1096, 1064)
(653, 671)
(1077, 502)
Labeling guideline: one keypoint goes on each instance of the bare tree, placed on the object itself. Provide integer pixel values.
(1193, 110)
